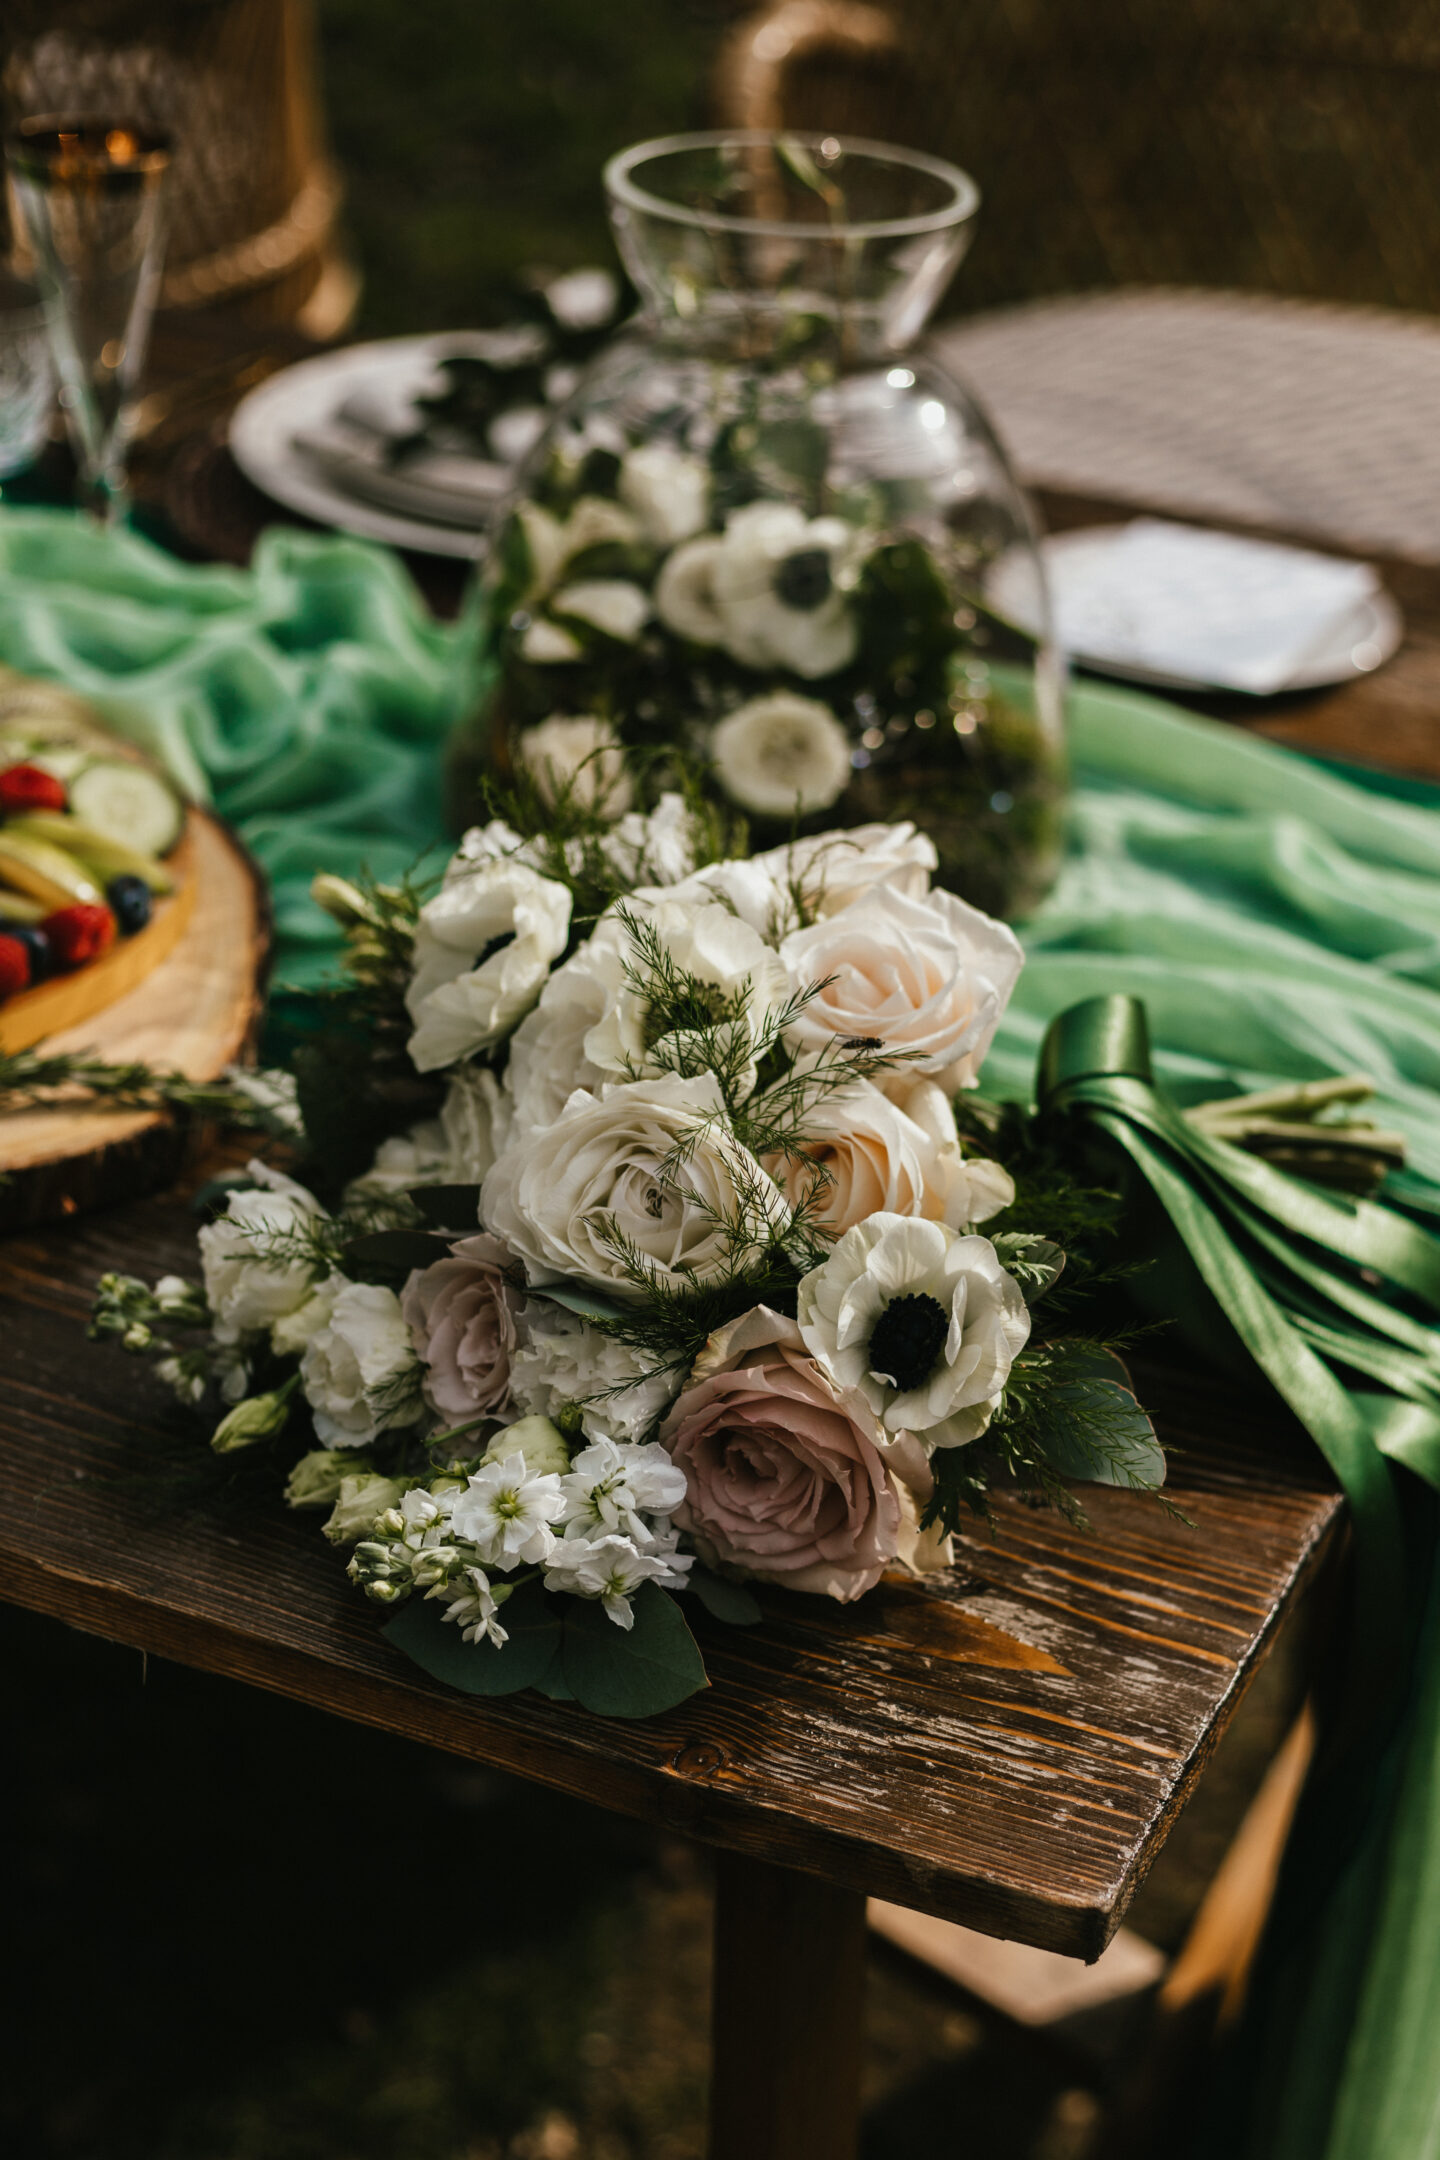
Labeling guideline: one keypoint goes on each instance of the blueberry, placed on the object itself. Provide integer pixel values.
(36, 943)
(129, 899)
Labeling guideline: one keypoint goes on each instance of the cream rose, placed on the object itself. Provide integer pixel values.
(786, 1473)
(483, 950)
(879, 1158)
(924, 1323)
(650, 1164)
(929, 977)
(461, 1313)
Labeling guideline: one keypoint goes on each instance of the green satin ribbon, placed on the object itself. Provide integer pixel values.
(1335, 1300)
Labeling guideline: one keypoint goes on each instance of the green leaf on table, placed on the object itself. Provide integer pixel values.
(447, 1207)
(1095, 1428)
(388, 1256)
(634, 1672)
(532, 1619)
(733, 1602)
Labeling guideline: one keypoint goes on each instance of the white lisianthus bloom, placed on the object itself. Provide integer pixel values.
(928, 977)
(881, 1159)
(615, 606)
(553, 542)
(359, 1372)
(833, 869)
(253, 1257)
(649, 1168)
(547, 1051)
(782, 755)
(541, 1443)
(925, 1323)
(290, 1334)
(483, 949)
(362, 1496)
(506, 1511)
(561, 1362)
(611, 1568)
(668, 491)
(581, 753)
(771, 589)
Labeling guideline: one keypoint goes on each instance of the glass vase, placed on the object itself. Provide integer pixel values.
(759, 541)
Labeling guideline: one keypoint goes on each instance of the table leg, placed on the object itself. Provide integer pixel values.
(789, 1997)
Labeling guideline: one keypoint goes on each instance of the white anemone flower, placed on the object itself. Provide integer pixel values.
(553, 542)
(483, 951)
(782, 755)
(667, 490)
(506, 1512)
(925, 1323)
(582, 754)
(772, 589)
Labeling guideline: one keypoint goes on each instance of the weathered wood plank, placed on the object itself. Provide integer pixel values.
(1005, 1749)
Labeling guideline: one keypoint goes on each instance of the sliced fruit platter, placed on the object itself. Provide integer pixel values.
(95, 876)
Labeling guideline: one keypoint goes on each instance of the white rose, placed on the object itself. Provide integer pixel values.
(254, 1258)
(832, 869)
(616, 606)
(581, 754)
(771, 589)
(360, 1372)
(782, 755)
(483, 949)
(881, 1159)
(668, 491)
(930, 977)
(560, 1359)
(650, 1164)
(925, 1323)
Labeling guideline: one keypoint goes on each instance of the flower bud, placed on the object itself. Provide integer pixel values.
(316, 1479)
(137, 1337)
(433, 1563)
(259, 1417)
(359, 1501)
(340, 899)
(385, 1593)
(390, 1524)
(541, 1443)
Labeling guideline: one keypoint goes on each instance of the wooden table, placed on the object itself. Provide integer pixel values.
(1007, 1748)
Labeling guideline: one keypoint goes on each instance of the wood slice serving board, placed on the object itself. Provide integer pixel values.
(188, 1002)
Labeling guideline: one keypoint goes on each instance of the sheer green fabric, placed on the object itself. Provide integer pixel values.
(1279, 921)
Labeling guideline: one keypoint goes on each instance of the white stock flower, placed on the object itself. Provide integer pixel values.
(781, 755)
(647, 1169)
(835, 868)
(474, 1609)
(668, 491)
(483, 949)
(770, 589)
(561, 1361)
(882, 1159)
(578, 753)
(254, 1257)
(611, 1568)
(614, 1488)
(930, 977)
(617, 607)
(359, 1371)
(925, 1323)
(506, 1511)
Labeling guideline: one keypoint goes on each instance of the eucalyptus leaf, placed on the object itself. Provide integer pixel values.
(447, 1207)
(733, 1602)
(575, 1298)
(634, 1672)
(1096, 1430)
(532, 1621)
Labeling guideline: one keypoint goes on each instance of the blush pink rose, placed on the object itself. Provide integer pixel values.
(787, 1477)
(461, 1315)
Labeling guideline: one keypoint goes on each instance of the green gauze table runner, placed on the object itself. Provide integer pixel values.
(1278, 920)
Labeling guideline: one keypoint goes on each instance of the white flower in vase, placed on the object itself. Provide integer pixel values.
(617, 607)
(552, 542)
(772, 589)
(483, 950)
(581, 754)
(506, 1511)
(782, 755)
(646, 1172)
(927, 977)
(549, 644)
(668, 491)
(925, 1323)
(583, 299)
(359, 1371)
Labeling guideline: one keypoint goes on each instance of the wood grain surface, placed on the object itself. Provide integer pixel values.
(1005, 1749)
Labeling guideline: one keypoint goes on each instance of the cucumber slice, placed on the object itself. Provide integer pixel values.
(95, 851)
(128, 803)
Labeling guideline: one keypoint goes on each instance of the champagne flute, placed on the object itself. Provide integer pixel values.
(90, 195)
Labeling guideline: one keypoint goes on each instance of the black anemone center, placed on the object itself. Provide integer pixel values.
(908, 1338)
(494, 945)
(803, 579)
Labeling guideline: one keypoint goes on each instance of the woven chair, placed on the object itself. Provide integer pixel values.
(1288, 146)
(254, 197)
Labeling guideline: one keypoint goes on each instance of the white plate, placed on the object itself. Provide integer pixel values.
(1355, 646)
(264, 424)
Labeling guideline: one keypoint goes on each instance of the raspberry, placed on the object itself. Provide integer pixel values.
(79, 933)
(26, 787)
(14, 966)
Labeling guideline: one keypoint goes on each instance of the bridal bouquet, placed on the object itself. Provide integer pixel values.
(686, 1262)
